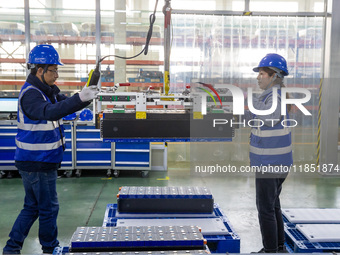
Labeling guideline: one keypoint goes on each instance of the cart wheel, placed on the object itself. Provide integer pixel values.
(2, 174)
(108, 173)
(78, 173)
(9, 175)
(145, 174)
(116, 173)
(68, 174)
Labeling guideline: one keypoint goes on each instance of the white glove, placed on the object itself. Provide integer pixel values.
(88, 93)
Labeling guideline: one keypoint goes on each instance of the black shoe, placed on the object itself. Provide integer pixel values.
(50, 251)
(282, 249)
(7, 252)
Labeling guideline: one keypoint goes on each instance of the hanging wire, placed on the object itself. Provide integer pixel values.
(152, 19)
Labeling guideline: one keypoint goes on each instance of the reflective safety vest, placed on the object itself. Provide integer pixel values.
(38, 140)
(271, 145)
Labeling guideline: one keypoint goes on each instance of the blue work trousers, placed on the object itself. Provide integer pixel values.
(41, 202)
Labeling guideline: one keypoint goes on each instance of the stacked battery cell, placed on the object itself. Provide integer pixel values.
(165, 200)
(137, 238)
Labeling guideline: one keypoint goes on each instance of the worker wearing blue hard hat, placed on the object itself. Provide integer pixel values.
(270, 152)
(274, 61)
(43, 56)
(40, 144)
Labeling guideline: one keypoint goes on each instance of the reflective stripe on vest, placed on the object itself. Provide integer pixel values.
(51, 125)
(270, 133)
(270, 151)
(39, 146)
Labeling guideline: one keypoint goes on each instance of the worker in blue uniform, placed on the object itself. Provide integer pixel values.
(270, 152)
(40, 143)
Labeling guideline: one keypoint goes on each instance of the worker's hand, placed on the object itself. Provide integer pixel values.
(88, 93)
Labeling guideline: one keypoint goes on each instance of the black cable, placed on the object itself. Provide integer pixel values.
(152, 20)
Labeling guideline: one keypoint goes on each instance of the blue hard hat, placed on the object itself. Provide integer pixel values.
(86, 114)
(44, 54)
(273, 60)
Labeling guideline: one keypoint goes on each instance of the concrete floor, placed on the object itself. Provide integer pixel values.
(83, 200)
